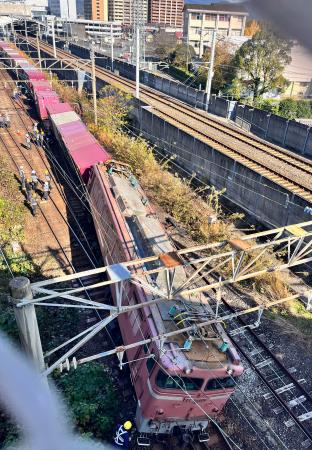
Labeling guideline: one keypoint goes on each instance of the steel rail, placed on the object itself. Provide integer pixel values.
(241, 320)
(170, 114)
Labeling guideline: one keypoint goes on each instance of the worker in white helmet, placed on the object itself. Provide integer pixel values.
(122, 436)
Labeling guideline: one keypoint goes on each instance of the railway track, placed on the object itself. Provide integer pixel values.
(285, 395)
(290, 171)
(56, 222)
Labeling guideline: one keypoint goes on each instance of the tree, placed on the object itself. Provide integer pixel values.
(252, 27)
(179, 56)
(262, 60)
(223, 67)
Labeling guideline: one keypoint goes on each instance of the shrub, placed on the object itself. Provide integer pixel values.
(91, 398)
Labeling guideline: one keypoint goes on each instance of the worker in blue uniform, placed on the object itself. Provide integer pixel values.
(122, 438)
(22, 177)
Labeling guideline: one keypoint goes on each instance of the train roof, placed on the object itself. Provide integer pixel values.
(59, 108)
(149, 237)
(85, 158)
(64, 117)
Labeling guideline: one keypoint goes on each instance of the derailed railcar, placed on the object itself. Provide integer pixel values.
(176, 387)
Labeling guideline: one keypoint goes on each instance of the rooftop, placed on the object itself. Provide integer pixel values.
(238, 8)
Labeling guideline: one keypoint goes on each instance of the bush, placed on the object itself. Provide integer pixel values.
(288, 108)
(92, 401)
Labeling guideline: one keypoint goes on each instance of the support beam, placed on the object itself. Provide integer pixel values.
(26, 320)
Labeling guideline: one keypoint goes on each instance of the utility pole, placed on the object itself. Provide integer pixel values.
(92, 55)
(26, 31)
(210, 70)
(137, 64)
(112, 47)
(13, 29)
(38, 51)
(26, 320)
(187, 48)
(53, 38)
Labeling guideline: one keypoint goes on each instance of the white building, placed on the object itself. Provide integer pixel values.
(66, 9)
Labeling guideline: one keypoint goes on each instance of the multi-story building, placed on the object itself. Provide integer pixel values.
(229, 19)
(128, 11)
(96, 10)
(166, 13)
(66, 9)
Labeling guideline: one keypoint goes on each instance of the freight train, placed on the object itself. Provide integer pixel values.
(180, 384)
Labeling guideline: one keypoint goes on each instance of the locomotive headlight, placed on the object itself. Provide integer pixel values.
(187, 370)
(229, 371)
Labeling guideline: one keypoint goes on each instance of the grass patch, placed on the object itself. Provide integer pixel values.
(90, 394)
(295, 313)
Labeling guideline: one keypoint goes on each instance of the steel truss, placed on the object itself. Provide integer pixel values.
(241, 254)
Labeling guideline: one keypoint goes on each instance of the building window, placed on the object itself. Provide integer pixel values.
(196, 16)
(196, 30)
(210, 16)
(223, 31)
(236, 32)
(224, 17)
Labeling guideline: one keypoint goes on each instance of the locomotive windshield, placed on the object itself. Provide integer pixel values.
(220, 383)
(165, 381)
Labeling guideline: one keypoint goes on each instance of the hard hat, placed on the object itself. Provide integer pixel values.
(46, 172)
(33, 171)
(127, 425)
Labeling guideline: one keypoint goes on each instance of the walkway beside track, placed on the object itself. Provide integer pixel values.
(55, 237)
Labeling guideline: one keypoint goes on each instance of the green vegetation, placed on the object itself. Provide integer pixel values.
(294, 314)
(262, 59)
(89, 390)
(90, 394)
(288, 108)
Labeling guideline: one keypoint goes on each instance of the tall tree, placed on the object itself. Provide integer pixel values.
(252, 27)
(262, 59)
(223, 66)
(181, 54)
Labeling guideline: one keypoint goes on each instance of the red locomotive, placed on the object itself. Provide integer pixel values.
(179, 383)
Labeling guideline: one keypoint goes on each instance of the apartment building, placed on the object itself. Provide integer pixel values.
(166, 13)
(125, 12)
(229, 19)
(96, 10)
(66, 9)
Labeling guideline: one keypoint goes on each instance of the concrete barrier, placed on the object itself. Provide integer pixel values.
(286, 133)
(260, 197)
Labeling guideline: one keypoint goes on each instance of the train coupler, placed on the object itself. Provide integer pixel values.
(203, 437)
(143, 440)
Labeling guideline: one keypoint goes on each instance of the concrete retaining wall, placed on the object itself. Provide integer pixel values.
(286, 133)
(194, 97)
(263, 199)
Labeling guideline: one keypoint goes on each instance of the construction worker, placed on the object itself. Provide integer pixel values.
(35, 127)
(33, 204)
(41, 137)
(47, 178)
(34, 180)
(27, 141)
(15, 93)
(46, 190)
(7, 120)
(122, 438)
(28, 188)
(1, 121)
(22, 177)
